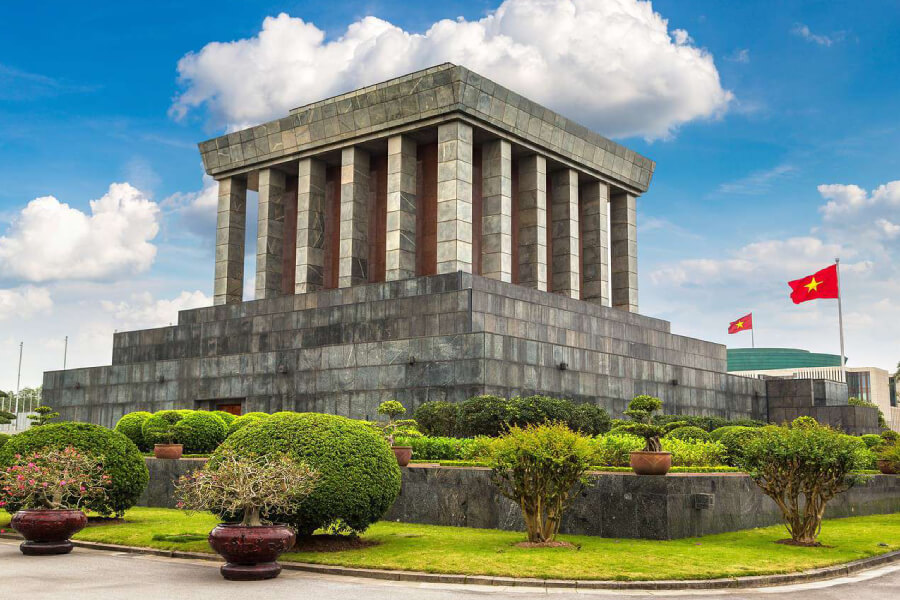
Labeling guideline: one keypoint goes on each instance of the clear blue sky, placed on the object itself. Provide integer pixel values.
(734, 211)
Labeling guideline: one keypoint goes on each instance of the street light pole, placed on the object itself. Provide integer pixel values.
(19, 378)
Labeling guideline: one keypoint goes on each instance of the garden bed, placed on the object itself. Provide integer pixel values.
(453, 550)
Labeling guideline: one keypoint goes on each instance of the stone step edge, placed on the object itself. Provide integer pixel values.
(822, 573)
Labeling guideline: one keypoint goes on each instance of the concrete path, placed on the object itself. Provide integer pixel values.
(100, 575)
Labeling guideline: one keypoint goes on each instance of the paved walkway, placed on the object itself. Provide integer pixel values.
(99, 575)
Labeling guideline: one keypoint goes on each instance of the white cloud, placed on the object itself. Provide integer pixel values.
(50, 240)
(144, 311)
(852, 201)
(197, 210)
(804, 32)
(23, 302)
(759, 182)
(613, 65)
(740, 55)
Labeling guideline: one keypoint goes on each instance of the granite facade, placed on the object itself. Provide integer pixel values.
(821, 399)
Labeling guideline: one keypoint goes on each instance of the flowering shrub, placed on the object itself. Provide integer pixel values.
(251, 487)
(53, 479)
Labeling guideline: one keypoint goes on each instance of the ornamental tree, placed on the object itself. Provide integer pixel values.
(393, 409)
(42, 415)
(53, 479)
(640, 411)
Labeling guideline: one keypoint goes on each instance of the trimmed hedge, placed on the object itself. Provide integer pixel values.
(492, 415)
(688, 433)
(359, 476)
(227, 417)
(244, 420)
(121, 458)
(200, 432)
(437, 418)
(4, 437)
(707, 424)
(130, 426)
(735, 439)
(156, 426)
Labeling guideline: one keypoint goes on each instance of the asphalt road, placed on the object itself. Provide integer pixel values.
(99, 575)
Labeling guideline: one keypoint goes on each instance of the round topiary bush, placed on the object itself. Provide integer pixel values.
(227, 417)
(244, 420)
(872, 441)
(688, 434)
(200, 432)
(359, 477)
(121, 458)
(589, 419)
(735, 440)
(159, 428)
(131, 425)
(437, 418)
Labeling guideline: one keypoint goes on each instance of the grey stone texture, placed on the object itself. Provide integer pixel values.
(496, 235)
(310, 253)
(400, 238)
(270, 233)
(533, 222)
(823, 400)
(623, 245)
(594, 220)
(353, 264)
(613, 505)
(442, 337)
(454, 197)
(408, 101)
(231, 223)
(564, 232)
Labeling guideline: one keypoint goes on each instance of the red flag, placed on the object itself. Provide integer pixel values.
(741, 324)
(823, 284)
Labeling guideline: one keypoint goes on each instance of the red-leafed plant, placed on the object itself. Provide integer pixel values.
(51, 479)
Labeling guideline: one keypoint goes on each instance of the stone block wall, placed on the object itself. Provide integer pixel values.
(823, 400)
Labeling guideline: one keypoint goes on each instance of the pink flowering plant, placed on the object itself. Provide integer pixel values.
(52, 479)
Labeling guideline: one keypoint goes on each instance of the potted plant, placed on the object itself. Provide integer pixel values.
(889, 460)
(251, 488)
(160, 430)
(393, 409)
(49, 487)
(651, 460)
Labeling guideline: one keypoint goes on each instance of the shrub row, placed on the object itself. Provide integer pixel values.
(200, 432)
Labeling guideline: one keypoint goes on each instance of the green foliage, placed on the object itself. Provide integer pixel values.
(890, 437)
(892, 455)
(484, 415)
(131, 426)
(589, 419)
(492, 415)
(159, 428)
(359, 476)
(244, 420)
(6, 417)
(734, 439)
(688, 432)
(694, 453)
(391, 409)
(614, 449)
(802, 467)
(541, 467)
(227, 417)
(437, 418)
(435, 448)
(200, 432)
(672, 425)
(708, 424)
(4, 437)
(872, 441)
(479, 447)
(42, 415)
(121, 459)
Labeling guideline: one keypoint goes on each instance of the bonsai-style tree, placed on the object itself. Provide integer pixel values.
(393, 409)
(252, 487)
(801, 467)
(53, 479)
(541, 468)
(42, 415)
(640, 411)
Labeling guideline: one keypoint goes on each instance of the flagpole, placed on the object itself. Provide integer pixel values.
(753, 335)
(837, 262)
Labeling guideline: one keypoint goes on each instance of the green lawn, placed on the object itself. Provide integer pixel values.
(489, 552)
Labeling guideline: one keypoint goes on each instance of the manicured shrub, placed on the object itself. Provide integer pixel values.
(484, 415)
(640, 411)
(435, 448)
(891, 454)
(890, 437)
(437, 418)
(477, 448)
(540, 467)
(227, 417)
(707, 424)
(871, 440)
(734, 439)
(358, 474)
(614, 449)
(121, 459)
(492, 415)
(688, 433)
(802, 467)
(200, 432)
(244, 420)
(589, 419)
(159, 428)
(694, 453)
(4, 437)
(130, 426)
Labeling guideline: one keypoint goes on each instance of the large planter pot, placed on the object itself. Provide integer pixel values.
(887, 467)
(403, 454)
(172, 451)
(651, 463)
(250, 552)
(47, 531)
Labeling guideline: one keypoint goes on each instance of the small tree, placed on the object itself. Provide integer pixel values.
(801, 467)
(42, 415)
(640, 411)
(252, 487)
(53, 479)
(541, 468)
(393, 409)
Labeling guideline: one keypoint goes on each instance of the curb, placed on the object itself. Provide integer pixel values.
(820, 574)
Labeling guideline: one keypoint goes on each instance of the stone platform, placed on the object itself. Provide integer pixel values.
(441, 337)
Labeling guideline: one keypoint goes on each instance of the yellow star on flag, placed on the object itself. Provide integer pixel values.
(740, 324)
(812, 286)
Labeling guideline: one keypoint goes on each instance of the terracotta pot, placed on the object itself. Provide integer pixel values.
(172, 451)
(250, 552)
(886, 467)
(47, 531)
(651, 463)
(403, 454)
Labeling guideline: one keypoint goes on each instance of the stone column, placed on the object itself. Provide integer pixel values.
(270, 233)
(454, 198)
(532, 222)
(231, 223)
(623, 244)
(400, 236)
(496, 235)
(310, 255)
(564, 222)
(595, 242)
(353, 263)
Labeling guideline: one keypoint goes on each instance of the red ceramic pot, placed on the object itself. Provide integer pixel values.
(887, 467)
(403, 454)
(47, 531)
(651, 463)
(172, 451)
(250, 552)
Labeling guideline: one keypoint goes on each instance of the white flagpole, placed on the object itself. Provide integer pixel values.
(837, 262)
(753, 335)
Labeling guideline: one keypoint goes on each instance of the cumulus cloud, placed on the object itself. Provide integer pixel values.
(853, 201)
(804, 32)
(196, 210)
(24, 302)
(615, 65)
(49, 240)
(144, 311)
